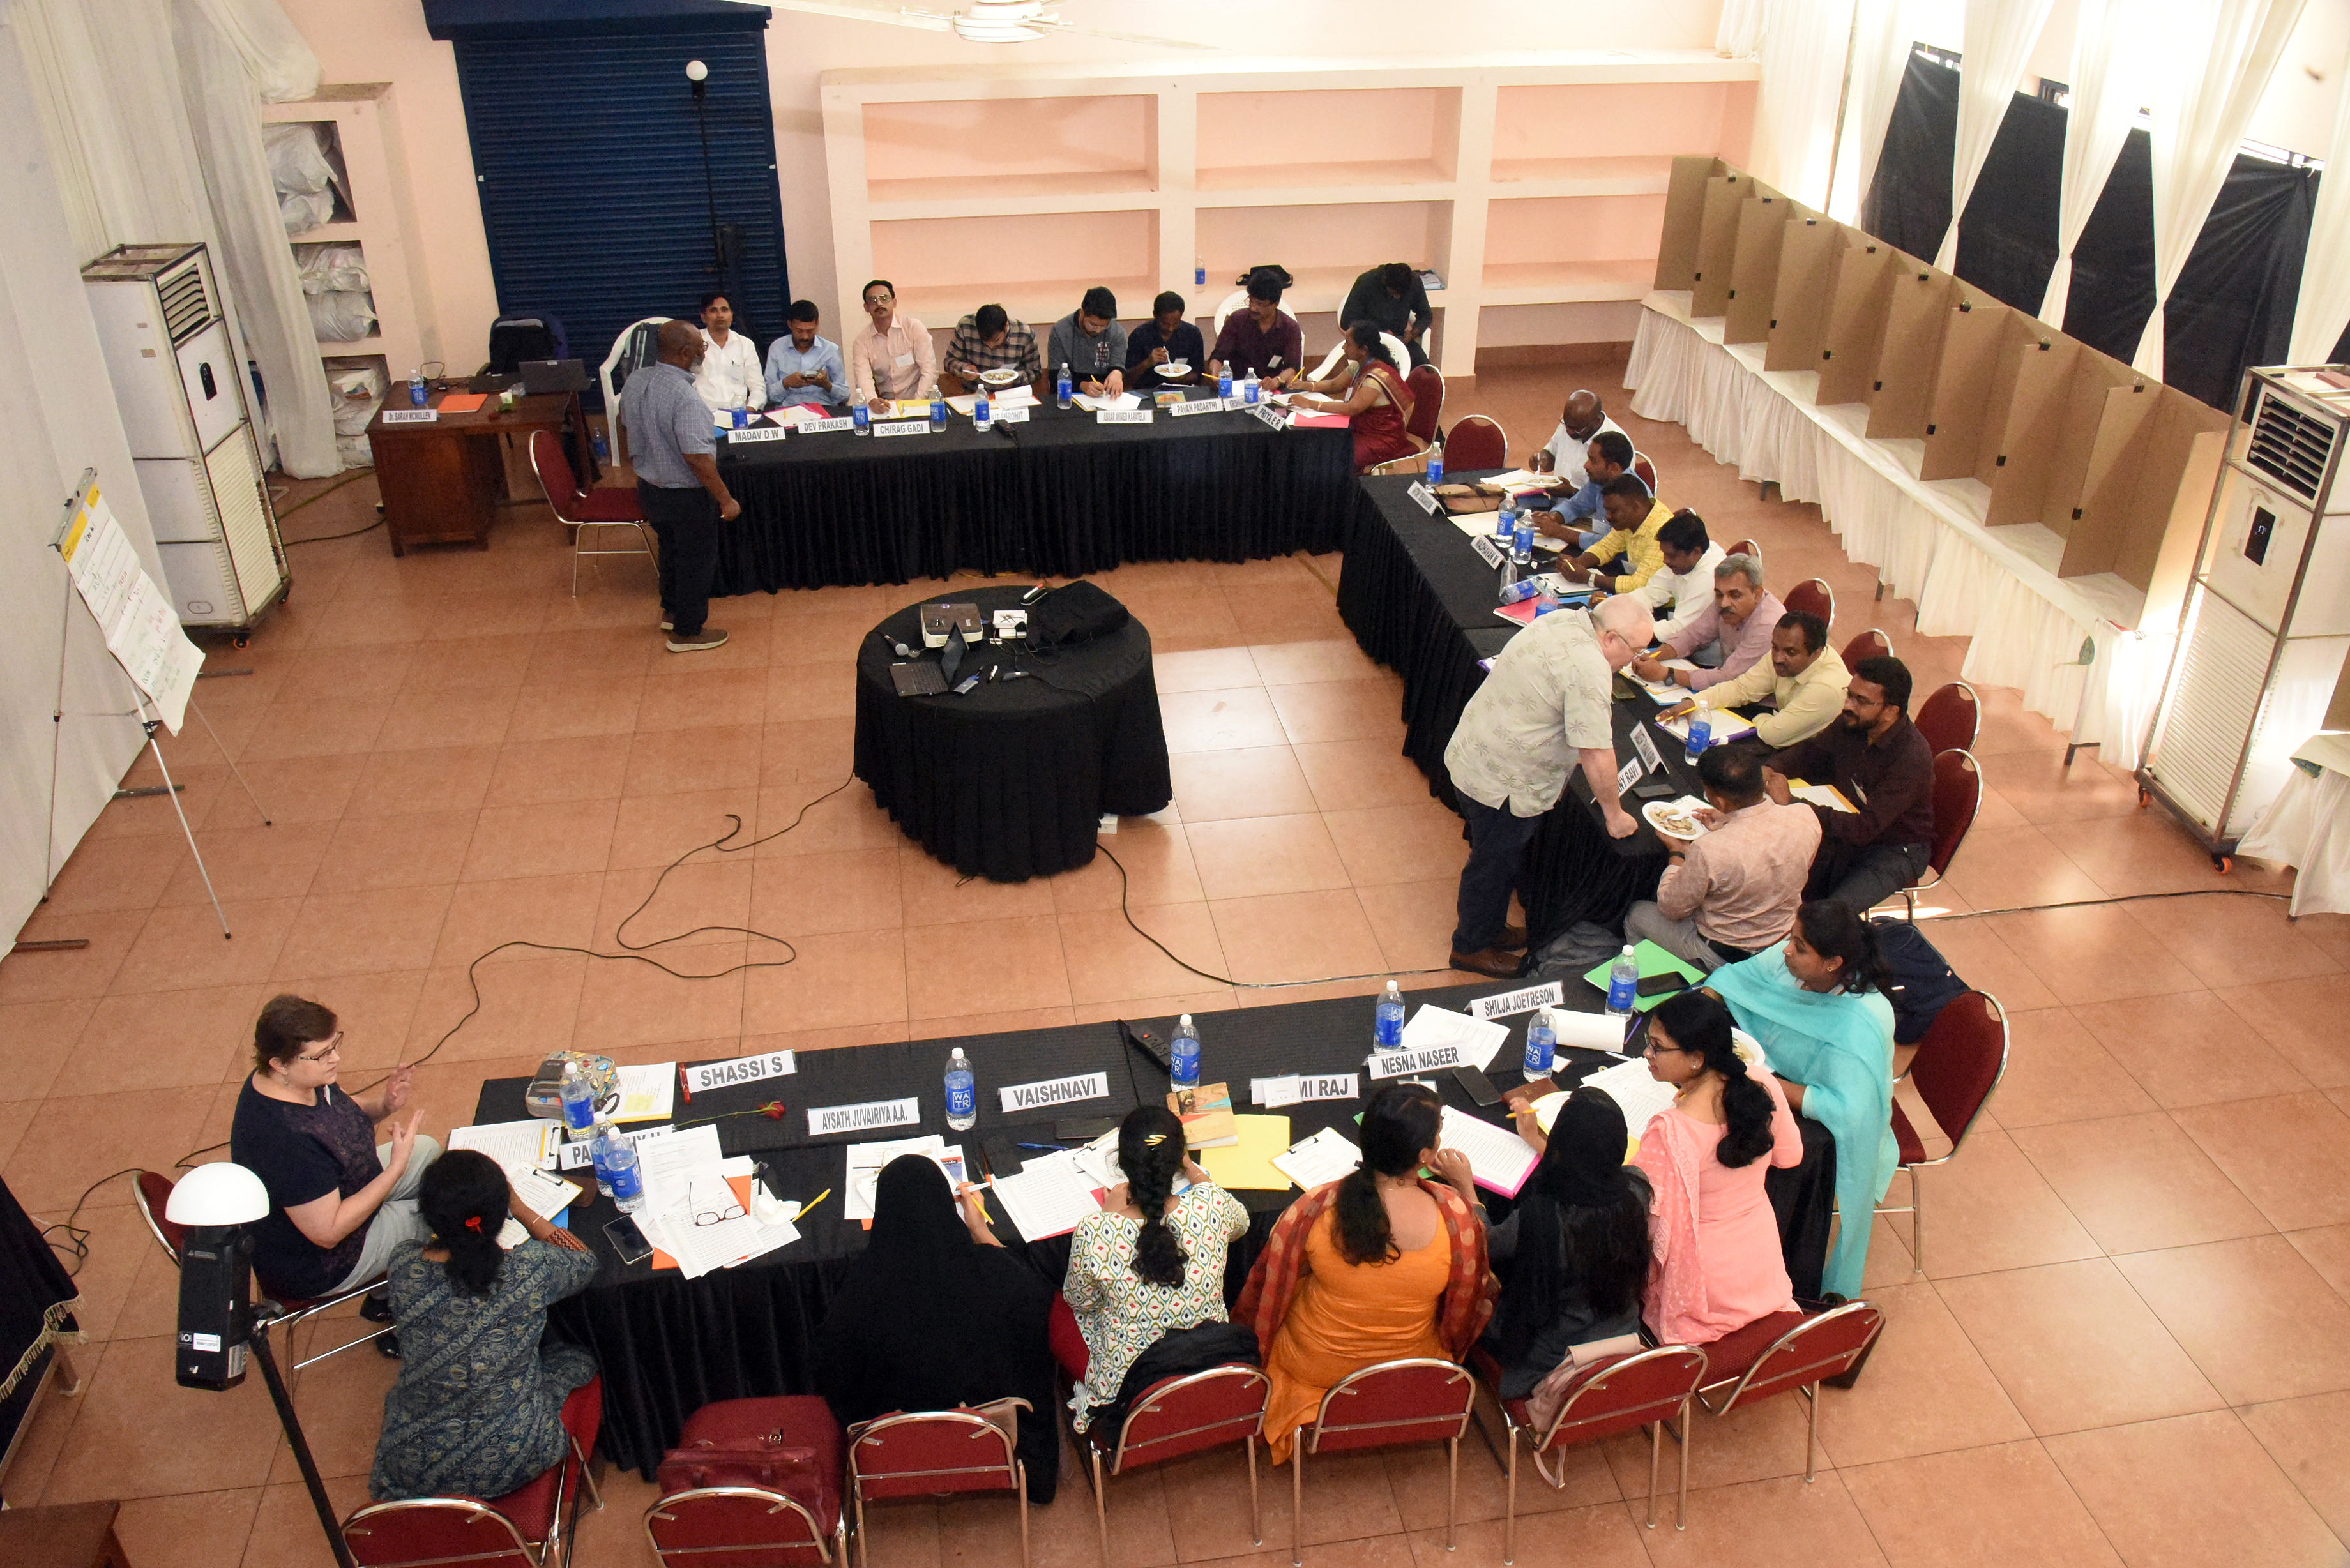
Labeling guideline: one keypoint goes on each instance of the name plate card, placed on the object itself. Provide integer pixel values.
(1122, 416)
(1278, 418)
(1206, 406)
(903, 427)
(1627, 775)
(704, 1077)
(1294, 1088)
(1053, 1092)
(1487, 550)
(755, 432)
(823, 1120)
(1650, 761)
(1406, 1064)
(411, 416)
(1509, 1003)
(1237, 401)
(1003, 416)
(843, 422)
(1421, 493)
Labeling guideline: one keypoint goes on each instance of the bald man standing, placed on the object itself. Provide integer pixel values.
(672, 446)
(1579, 423)
(1542, 711)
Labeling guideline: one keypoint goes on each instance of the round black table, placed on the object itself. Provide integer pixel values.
(1010, 779)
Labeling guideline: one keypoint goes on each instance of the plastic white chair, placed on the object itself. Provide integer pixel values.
(1395, 347)
(627, 356)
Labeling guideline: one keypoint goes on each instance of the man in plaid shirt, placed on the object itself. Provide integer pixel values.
(988, 338)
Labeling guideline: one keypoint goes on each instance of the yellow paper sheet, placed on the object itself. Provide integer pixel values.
(1249, 1163)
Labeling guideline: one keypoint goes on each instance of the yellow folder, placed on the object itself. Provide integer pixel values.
(1249, 1163)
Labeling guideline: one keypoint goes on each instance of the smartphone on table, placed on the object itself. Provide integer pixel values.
(628, 1239)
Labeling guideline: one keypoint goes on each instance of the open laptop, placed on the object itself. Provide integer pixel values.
(554, 375)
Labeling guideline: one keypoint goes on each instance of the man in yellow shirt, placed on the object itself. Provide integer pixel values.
(1804, 675)
(1633, 518)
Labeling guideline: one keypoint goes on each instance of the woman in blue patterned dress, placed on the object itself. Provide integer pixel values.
(477, 1411)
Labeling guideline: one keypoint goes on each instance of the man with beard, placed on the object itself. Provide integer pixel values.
(1876, 758)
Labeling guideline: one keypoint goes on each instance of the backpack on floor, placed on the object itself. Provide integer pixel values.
(1919, 980)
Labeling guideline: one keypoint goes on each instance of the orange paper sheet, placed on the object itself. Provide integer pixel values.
(463, 402)
(742, 1186)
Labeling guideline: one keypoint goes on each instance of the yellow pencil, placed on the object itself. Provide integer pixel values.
(810, 1204)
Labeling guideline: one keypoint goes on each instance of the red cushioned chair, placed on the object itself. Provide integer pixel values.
(1746, 547)
(151, 1191)
(1645, 469)
(1948, 718)
(744, 1526)
(1176, 1416)
(525, 1529)
(1869, 644)
(1620, 1394)
(1475, 443)
(1418, 1399)
(605, 506)
(1957, 1065)
(1426, 385)
(926, 1453)
(1958, 795)
(1788, 1350)
(1815, 595)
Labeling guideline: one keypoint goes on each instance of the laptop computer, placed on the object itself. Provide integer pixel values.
(554, 375)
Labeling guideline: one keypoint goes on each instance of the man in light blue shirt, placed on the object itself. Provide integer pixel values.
(803, 368)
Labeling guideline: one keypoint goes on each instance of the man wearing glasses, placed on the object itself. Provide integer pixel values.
(893, 357)
(1542, 711)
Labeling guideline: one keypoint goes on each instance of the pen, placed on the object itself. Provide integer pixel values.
(810, 1204)
(1057, 1147)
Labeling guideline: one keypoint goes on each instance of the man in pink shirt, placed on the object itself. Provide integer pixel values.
(1738, 627)
(894, 357)
(1733, 891)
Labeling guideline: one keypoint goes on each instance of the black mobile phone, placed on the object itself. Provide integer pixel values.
(1658, 791)
(1663, 984)
(628, 1239)
(1478, 1086)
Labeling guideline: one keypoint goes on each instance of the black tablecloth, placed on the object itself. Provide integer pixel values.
(669, 1345)
(1010, 780)
(1060, 495)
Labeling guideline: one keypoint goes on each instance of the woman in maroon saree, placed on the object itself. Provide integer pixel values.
(1377, 398)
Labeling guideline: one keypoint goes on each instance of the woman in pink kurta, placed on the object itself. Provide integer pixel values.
(1715, 1239)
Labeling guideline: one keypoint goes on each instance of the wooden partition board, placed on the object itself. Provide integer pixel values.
(1977, 333)
(1910, 352)
(2106, 511)
(1860, 295)
(2092, 429)
(1684, 220)
(1717, 243)
(2024, 425)
(1754, 267)
(1799, 299)
(2184, 440)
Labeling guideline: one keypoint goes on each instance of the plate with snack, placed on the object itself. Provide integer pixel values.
(1675, 818)
(1002, 375)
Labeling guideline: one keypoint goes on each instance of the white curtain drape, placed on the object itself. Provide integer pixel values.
(1804, 47)
(2323, 310)
(1739, 33)
(1998, 38)
(2216, 59)
(1880, 58)
(275, 55)
(2109, 84)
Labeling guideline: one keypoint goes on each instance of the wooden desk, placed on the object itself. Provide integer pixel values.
(66, 1535)
(443, 483)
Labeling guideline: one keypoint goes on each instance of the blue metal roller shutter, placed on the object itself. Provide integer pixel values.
(591, 178)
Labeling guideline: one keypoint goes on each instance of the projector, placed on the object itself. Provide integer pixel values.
(941, 619)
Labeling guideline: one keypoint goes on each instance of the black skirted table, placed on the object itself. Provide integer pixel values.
(1058, 496)
(1010, 780)
(669, 1345)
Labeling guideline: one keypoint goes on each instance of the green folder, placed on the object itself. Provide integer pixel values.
(1653, 960)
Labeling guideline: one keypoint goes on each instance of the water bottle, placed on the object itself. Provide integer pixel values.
(627, 1175)
(603, 449)
(938, 411)
(1224, 383)
(1623, 983)
(1522, 542)
(982, 414)
(741, 419)
(962, 1098)
(1249, 390)
(1184, 1070)
(1516, 589)
(1436, 465)
(1387, 1030)
(1063, 389)
(599, 1154)
(1541, 1044)
(417, 395)
(1199, 272)
(1505, 522)
(578, 1104)
(862, 415)
(1700, 736)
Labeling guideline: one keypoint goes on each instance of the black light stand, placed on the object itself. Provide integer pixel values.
(698, 76)
(284, 1399)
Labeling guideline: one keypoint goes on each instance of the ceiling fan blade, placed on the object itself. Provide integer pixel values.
(891, 15)
(1057, 25)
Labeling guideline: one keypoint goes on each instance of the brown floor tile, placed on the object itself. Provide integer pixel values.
(71, 973)
(1606, 1536)
(627, 1002)
(181, 945)
(1782, 1521)
(1339, 709)
(219, 1441)
(580, 767)
(850, 890)
(812, 819)
(362, 934)
(933, 893)
(1354, 775)
(373, 1011)
(681, 761)
(1109, 961)
(471, 664)
(2290, 1155)
(2259, 1321)
(578, 704)
(988, 966)
(1257, 780)
(167, 1039)
(197, 1530)
(2327, 1248)
(342, 727)
(529, 1004)
(1421, 842)
(399, 783)
(2234, 942)
(2007, 1503)
(417, 851)
(1926, 1389)
(1156, 869)
(2306, 1438)
(705, 902)
(467, 717)
(807, 750)
(838, 979)
(481, 916)
(2022, 866)
(2191, 1490)
(1255, 857)
(541, 840)
(1297, 936)
(2300, 1018)
(1989, 1210)
(1219, 719)
(285, 1530)
(2138, 1183)
(2093, 954)
(1303, 663)
(123, 874)
(41, 1037)
(1205, 669)
(2056, 1072)
(2076, 1347)
(1978, 956)
(244, 862)
(2189, 1049)
(654, 830)
(1413, 921)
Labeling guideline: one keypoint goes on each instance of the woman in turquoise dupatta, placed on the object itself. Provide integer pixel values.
(1815, 1007)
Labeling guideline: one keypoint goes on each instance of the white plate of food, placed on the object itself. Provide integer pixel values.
(1673, 819)
(1002, 375)
(1174, 367)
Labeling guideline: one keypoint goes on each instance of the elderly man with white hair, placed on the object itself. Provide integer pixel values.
(1543, 709)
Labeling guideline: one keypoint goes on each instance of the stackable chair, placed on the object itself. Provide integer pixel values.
(1784, 1352)
(1645, 471)
(1815, 595)
(1476, 442)
(1869, 644)
(1957, 1065)
(151, 1191)
(1746, 547)
(1958, 795)
(1236, 300)
(1948, 718)
(637, 346)
(1177, 1417)
(1620, 1394)
(1330, 361)
(601, 506)
(525, 1529)
(925, 1453)
(1418, 1399)
(1427, 386)
(739, 1525)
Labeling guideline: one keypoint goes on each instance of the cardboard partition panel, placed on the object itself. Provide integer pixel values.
(2020, 435)
(1911, 350)
(1717, 243)
(2091, 430)
(2139, 481)
(1799, 300)
(1684, 220)
(1977, 332)
(1860, 294)
(1754, 267)
(2185, 438)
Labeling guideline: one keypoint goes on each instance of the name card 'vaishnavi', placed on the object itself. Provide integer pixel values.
(1508, 1003)
(1404, 1064)
(845, 422)
(704, 1077)
(903, 427)
(1055, 1092)
(755, 432)
(1122, 416)
(825, 1119)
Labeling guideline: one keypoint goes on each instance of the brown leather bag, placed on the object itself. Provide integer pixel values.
(763, 1462)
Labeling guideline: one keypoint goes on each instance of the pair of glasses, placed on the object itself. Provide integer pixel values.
(730, 1210)
(334, 1049)
(1651, 1048)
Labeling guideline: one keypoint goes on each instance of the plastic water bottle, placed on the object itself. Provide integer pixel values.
(1623, 983)
(1522, 542)
(627, 1176)
(962, 1098)
(1505, 522)
(1199, 272)
(1183, 1071)
(860, 414)
(603, 449)
(742, 417)
(938, 411)
(417, 394)
(1387, 1030)
(1541, 1044)
(1701, 735)
(1224, 383)
(1250, 390)
(982, 412)
(599, 1154)
(1436, 465)
(578, 1104)
(1063, 389)
(1516, 589)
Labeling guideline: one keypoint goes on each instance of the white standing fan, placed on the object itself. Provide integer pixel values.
(981, 21)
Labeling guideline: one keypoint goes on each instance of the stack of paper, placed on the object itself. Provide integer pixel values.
(648, 1093)
(1826, 796)
(1249, 1162)
(1318, 1160)
(1518, 479)
(1481, 1040)
(1662, 690)
(1721, 725)
(1635, 1092)
(1049, 1195)
(1499, 1160)
(530, 1143)
(866, 1161)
